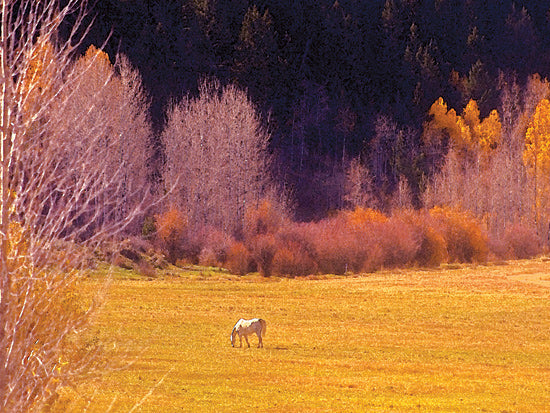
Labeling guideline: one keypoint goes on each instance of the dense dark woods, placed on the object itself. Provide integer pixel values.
(332, 76)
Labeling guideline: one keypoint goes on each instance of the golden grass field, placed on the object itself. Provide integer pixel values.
(452, 339)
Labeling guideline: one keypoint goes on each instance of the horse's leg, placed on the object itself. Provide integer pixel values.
(260, 342)
(240, 340)
(246, 338)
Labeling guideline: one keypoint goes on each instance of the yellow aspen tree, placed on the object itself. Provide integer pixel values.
(470, 114)
(445, 119)
(536, 156)
(468, 132)
(466, 177)
(489, 132)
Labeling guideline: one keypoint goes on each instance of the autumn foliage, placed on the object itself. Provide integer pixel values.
(361, 240)
(45, 315)
(467, 132)
(171, 227)
(464, 237)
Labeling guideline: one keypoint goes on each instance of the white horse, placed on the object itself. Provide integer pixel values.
(246, 327)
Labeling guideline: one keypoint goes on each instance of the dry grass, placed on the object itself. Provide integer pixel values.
(461, 338)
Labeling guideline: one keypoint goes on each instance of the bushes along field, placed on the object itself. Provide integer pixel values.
(362, 240)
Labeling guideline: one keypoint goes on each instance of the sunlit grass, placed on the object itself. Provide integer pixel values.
(452, 339)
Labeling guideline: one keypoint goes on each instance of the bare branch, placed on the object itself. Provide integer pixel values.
(74, 138)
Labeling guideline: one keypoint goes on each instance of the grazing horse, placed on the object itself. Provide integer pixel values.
(246, 327)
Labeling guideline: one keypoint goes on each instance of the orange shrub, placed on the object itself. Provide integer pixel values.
(398, 241)
(260, 226)
(207, 258)
(362, 240)
(292, 261)
(263, 251)
(521, 242)
(362, 217)
(432, 248)
(337, 249)
(295, 252)
(463, 235)
(239, 260)
(213, 245)
(171, 229)
(263, 219)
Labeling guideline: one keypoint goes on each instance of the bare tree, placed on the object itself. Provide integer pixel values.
(59, 191)
(120, 113)
(217, 156)
(358, 187)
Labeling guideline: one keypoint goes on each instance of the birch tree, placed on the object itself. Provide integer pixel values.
(58, 189)
(217, 157)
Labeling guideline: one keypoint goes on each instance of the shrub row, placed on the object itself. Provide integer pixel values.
(362, 240)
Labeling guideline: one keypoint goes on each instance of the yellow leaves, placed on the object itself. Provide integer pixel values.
(365, 216)
(18, 247)
(39, 61)
(471, 114)
(99, 81)
(489, 131)
(36, 82)
(99, 60)
(536, 155)
(537, 139)
(445, 119)
(467, 132)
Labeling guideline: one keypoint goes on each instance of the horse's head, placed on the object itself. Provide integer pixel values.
(233, 334)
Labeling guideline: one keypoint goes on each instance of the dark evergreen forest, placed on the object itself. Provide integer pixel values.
(331, 78)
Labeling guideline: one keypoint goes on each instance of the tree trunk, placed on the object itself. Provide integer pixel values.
(5, 137)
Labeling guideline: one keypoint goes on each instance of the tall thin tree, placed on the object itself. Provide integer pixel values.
(57, 182)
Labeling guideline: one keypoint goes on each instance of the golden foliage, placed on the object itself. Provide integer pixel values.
(447, 119)
(467, 132)
(465, 239)
(18, 247)
(238, 259)
(361, 217)
(489, 131)
(263, 219)
(44, 312)
(171, 228)
(36, 84)
(537, 139)
(99, 60)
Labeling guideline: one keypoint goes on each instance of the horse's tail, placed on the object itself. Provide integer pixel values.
(264, 326)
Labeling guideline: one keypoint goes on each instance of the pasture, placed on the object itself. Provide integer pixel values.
(456, 338)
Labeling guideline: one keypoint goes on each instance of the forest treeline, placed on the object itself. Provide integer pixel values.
(337, 80)
(227, 148)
